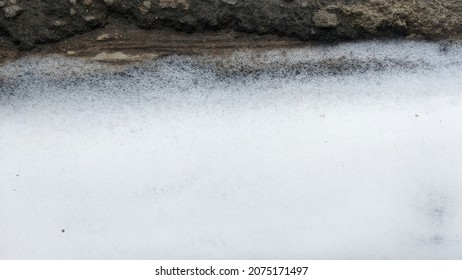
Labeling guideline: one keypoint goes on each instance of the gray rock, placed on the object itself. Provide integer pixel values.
(325, 19)
(12, 11)
(145, 7)
(230, 2)
(58, 23)
(103, 37)
(89, 18)
(174, 4)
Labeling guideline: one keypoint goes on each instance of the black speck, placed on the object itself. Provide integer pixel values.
(438, 212)
(63, 230)
(437, 239)
(444, 47)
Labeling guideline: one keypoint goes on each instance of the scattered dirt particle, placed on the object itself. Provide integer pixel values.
(437, 239)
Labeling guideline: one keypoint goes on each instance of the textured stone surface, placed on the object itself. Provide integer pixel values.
(174, 4)
(29, 24)
(12, 11)
(325, 19)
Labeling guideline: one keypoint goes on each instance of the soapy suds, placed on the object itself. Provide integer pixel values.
(187, 158)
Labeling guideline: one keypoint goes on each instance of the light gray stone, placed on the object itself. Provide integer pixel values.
(12, 11)
(230, 2)
(325, 19)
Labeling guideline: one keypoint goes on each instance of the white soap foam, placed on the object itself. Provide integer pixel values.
(176, 160)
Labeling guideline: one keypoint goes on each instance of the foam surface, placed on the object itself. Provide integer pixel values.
(252, 155)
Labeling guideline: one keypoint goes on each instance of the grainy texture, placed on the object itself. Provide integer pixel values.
(25, 25)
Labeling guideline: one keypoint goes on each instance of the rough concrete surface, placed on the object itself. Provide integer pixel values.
(37, 24)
